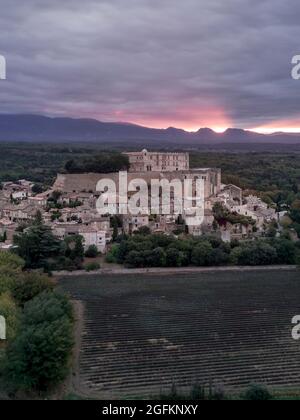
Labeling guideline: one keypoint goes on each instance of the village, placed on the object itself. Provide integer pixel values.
(70, 206)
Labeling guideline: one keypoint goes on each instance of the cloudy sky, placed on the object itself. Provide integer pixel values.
(160, 63)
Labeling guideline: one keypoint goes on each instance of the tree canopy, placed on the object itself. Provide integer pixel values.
(38, 358)
(102, 163)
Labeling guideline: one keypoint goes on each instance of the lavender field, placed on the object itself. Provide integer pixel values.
(141, 334)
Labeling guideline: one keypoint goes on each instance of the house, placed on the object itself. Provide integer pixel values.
(8, 227)
(19, 195)
(38, 200)
(19, 213)
(93, 236)
(132, 224)
(91, 233)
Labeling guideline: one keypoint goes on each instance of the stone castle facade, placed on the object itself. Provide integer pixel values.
(145, 161)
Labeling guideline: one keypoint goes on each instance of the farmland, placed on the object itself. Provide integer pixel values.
(143, 333)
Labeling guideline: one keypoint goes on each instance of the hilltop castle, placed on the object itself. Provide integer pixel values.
(145, 161)
(77, 196)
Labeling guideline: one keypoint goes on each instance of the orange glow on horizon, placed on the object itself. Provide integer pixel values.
(269, 130)
(286, 126)
(190, 120)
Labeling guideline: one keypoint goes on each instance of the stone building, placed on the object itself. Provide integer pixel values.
(149, 168)
(145, 161)
(20, 213)
(93, 234)
(76, 183)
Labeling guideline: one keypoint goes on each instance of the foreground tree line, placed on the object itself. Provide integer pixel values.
(39, 248)
(146, 250)
(36, 355)
(254, 392)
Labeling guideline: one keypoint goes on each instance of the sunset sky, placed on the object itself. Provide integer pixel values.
(159, 63)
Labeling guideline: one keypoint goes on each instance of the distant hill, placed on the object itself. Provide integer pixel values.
(35, 128)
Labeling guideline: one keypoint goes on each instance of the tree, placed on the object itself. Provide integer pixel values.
(29, 285)
(72, 167)
(186, 246)
(223, 216)
(257, 393)
(296, 205)
(39, 356)
(257, 253)
(155, 258)
(144, 231)
(11, 260)
(38, 220)
(10, 269)
(125, 247)
(180, 230)
(9, 310)
(55, 196)
(92, 266)
(8, 278)
(295, 215)
(218, 257)
(103, 163)
(134, 259)
(162, 241)
(286, 251)
(201, 254)
(36, 245)
(215, 225)
(3, 237)
(214, 240)
(37, 189)
(174, 258)
(115, 223)
(286, 222)
(91, 252)
(56, 215)
(74, 248)
(113, 255)
(271, 232)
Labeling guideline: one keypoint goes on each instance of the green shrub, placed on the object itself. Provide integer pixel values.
(36, 245)
(29, 285)
(11, 313)
(254, 253)
(10, 269)
(91, 252)
(174, 258)
(201, 253)
(92, 267)
(257, 393)
(112, 256)
(9, 259)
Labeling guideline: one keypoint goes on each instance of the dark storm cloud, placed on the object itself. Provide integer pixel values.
(152, 61)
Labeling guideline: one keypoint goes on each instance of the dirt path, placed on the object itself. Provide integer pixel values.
(162, 271)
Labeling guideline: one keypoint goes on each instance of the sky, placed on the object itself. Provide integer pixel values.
(159, 63)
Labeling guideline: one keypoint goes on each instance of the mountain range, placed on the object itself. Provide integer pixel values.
(38, 128)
